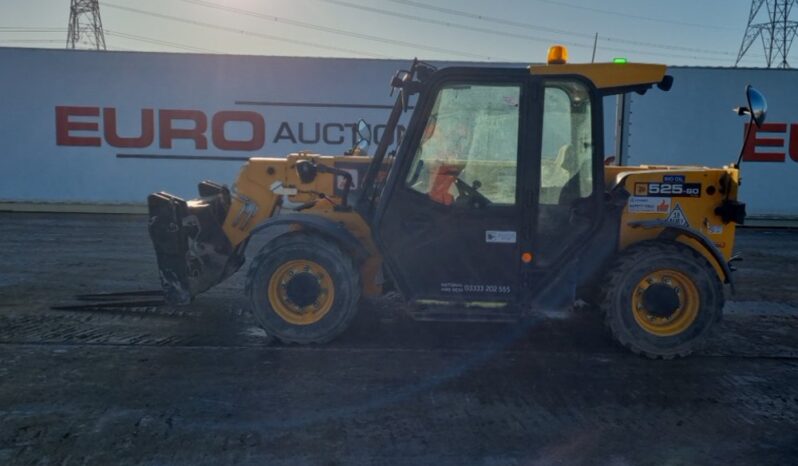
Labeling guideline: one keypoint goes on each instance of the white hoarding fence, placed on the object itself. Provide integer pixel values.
(111, 127)
(107, 127)
(694, 124)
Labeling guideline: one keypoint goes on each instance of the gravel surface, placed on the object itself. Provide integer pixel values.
(204, 385)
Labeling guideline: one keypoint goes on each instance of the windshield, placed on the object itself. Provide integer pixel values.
(471, 137)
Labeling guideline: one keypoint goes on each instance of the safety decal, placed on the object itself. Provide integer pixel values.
(356, 170)
(677, 216)
(649, 205)
(496, 236)
(341, 181)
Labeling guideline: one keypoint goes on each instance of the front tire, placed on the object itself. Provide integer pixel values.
(661, 299)
(303, 289)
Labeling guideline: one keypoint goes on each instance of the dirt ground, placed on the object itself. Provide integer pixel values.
(203, 384)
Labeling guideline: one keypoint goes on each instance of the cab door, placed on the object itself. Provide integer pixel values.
(450, 220)
(571, 237)
(568, 171)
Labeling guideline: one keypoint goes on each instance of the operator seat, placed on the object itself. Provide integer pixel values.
(568, 161)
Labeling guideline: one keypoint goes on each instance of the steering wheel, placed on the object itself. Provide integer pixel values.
(470, 195)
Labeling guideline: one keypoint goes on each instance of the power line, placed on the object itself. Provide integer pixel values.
(378, 11)
(31, 41)
(390, 41)
(239, 31)
(526, 25)
(509, 22)
(124, 35)
(331, 30)
(151, 40)
(157, 41)
(31, 29)
(517, 24)
(194, 48)
(628, 15)
(396, 14)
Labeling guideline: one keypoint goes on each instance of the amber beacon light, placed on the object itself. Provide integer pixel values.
(558, 55)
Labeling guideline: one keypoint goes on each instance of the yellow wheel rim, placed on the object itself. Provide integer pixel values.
(671, 283)
(301, 292)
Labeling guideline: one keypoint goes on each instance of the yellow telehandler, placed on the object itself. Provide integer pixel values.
(495, 205)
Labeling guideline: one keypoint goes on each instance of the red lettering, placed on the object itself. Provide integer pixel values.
(112, 136)
(63, 126)
(169, 133)
(794, 142)
(751, 155)
(221, 141)
(192, 125)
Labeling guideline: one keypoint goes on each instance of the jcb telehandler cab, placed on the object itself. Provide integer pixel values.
(496, 204)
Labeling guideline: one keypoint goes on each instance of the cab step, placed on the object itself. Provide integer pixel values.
(464, 312)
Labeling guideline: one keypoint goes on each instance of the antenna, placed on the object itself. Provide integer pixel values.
(772, 24)
(85, 25)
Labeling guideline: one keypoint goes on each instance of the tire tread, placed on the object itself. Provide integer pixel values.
(616, 276)
(291, 239)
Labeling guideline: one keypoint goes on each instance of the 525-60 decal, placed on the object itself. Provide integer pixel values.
(668, 189)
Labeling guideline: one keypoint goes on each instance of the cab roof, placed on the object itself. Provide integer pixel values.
(612, 78)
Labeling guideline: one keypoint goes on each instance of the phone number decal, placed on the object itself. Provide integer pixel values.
(459, 288)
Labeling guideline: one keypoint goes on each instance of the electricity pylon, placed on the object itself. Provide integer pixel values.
(773, 25)
(85, 25)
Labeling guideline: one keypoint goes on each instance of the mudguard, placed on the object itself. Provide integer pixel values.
(324, 226)
(672, 230)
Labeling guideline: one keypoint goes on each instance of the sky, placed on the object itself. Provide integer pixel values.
(673, 32)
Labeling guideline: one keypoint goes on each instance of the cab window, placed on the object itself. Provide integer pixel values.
(567, 144)
(468, 151)
(566, 168)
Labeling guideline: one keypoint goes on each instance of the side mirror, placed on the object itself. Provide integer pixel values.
(757, 106)
(361, 148)
(363, 142)
(757, 109)
(363, 130)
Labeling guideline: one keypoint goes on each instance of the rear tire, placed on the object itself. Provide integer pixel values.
(303, 289)
(661, 299)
